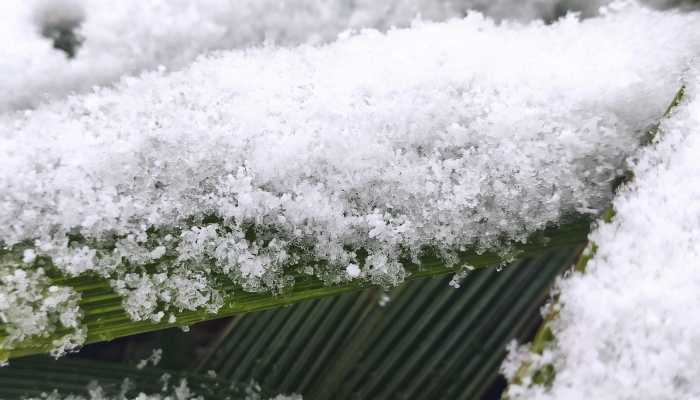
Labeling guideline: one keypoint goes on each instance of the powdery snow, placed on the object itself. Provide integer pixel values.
(127, 36)
(629, 327)
(335, 160)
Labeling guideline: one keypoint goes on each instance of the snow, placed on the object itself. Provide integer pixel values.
(628, 327)
(129, 36)
(353, 270)
(30, 306)
(335, 160)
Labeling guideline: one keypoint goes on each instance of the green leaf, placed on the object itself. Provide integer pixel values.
(429, 341)
(33, 376)
(105, 318)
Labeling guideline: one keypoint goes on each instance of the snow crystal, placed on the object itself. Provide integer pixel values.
(629, 327)
(254, 164)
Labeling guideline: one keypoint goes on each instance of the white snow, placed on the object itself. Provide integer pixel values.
(629, 328)
(335, 160)
(353, 270)
(466, 133)
(30, 306)
(127, 36)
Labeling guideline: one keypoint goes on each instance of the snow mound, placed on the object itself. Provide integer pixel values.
(628, 328)
(129, 36)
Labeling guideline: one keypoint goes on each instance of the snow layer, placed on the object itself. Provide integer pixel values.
(347, 157)
(127, 36)
(629, 326)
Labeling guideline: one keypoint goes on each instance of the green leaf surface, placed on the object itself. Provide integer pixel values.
(33, 376)
(105, 318)
(429, 341)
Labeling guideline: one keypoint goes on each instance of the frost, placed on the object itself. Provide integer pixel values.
(628, 328)
(31, 307)
(254, 165)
